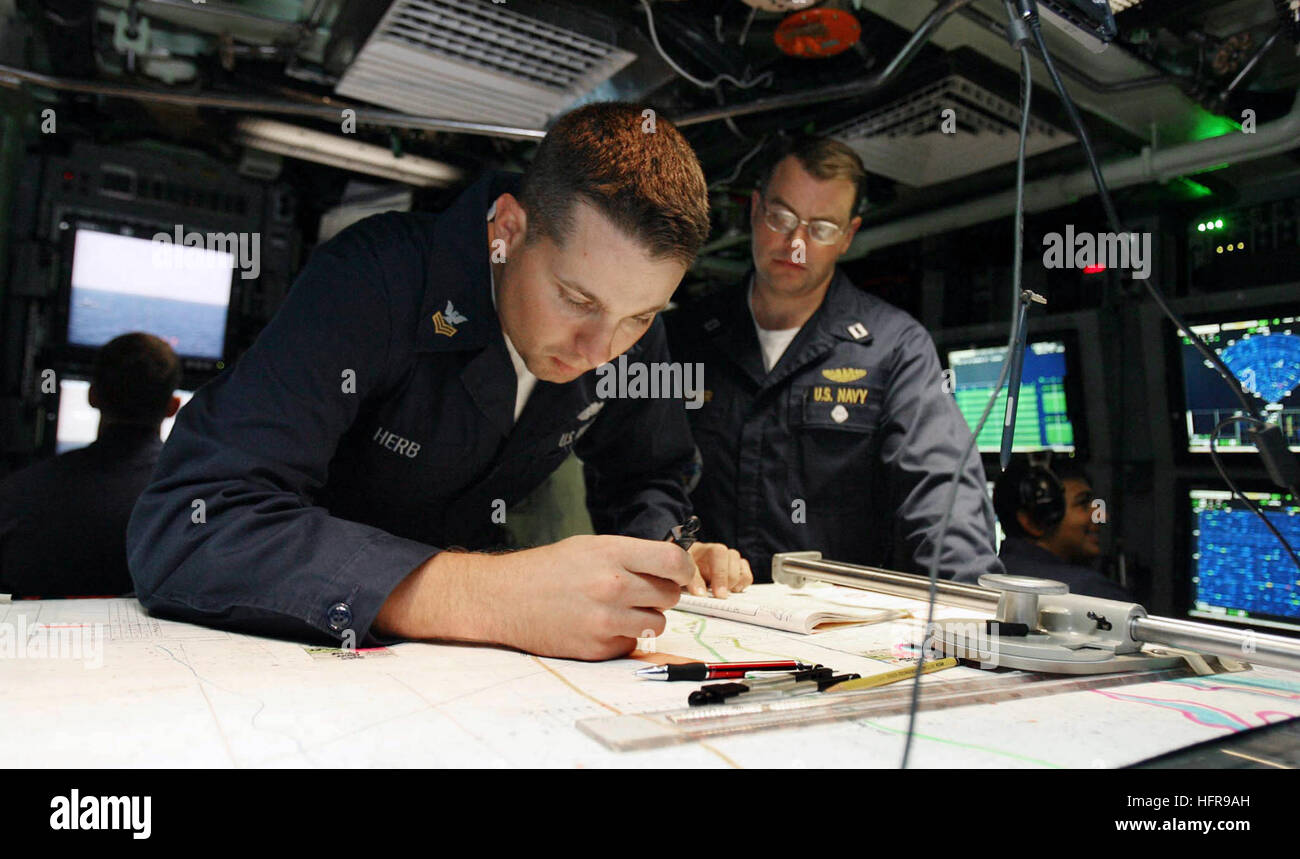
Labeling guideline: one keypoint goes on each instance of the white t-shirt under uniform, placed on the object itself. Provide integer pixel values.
(774, 342)
(525, 381)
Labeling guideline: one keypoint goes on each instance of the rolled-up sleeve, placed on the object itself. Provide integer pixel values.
(636, 455)
(228, 533)
(925, 437)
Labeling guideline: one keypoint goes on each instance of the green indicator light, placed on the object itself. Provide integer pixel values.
(1196, 189)
(1218, 225)
(1209, 125)
(1200, 227)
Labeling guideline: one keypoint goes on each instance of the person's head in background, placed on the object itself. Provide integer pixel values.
(1026, 504)
(612, 211)
(134, 381)
(821, 181)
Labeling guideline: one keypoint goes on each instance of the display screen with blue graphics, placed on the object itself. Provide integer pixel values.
(1240, 572)
(1264, 355)
(1042, 422)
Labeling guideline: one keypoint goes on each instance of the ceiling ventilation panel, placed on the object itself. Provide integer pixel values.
(906, 142)
(475, 60)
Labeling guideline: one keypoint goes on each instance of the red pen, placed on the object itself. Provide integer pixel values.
(717, 670)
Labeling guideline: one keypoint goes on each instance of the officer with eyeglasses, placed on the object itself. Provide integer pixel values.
(826, 424)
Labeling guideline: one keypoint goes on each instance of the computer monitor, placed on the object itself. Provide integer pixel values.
(1263, 352)
(1240, 573)
(1042, 418)
(121, 283)
(78, 423)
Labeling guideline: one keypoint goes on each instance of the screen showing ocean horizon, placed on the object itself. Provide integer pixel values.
(122, 284)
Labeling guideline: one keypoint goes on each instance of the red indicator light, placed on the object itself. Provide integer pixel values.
(1094, 269)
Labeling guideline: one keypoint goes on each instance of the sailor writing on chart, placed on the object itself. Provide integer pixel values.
(427, 371)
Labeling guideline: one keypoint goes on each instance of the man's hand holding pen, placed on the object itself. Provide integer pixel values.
(716, 566)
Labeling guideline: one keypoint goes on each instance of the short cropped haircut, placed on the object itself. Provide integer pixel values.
(637, 170)
(135, 376)
(825, 158)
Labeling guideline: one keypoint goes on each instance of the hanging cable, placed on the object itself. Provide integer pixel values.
(766, 77)
(1250, 505)
(740, 166)
(1019, 40)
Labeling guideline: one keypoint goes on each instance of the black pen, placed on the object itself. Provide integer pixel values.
(802, 687)
(717, 693)
(684, 534)
(816, 672)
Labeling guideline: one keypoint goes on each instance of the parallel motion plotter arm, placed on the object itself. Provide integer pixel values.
(1039, 625)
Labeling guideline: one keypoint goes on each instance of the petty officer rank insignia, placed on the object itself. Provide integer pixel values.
(445, 321)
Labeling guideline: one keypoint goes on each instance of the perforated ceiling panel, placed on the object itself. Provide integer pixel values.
(916, 140)
(476, 60)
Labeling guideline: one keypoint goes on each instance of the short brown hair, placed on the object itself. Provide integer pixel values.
(648, 183)
(135, 377)
(826, 158)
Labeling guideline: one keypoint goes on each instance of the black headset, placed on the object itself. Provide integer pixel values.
(1042, 495)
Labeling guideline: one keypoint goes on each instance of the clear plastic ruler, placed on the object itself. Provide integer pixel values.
(668, 727)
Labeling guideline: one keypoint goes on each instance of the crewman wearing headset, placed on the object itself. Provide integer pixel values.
(1053, 527)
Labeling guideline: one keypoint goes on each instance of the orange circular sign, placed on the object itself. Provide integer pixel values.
(817, 33)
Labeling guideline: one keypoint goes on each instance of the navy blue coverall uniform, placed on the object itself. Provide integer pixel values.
(372, 423)
(846, 447)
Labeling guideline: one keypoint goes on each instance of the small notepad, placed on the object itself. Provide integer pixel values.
(791, 610)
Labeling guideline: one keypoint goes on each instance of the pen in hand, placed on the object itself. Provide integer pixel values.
(685, 534)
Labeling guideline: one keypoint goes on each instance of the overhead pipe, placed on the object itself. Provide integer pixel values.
(14, 78)
(1151, 165)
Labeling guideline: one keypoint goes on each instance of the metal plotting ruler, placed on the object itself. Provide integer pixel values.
(667, 727)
